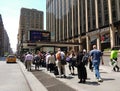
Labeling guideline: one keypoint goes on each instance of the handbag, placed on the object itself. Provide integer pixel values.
(63, 62)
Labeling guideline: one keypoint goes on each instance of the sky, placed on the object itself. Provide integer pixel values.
(10, 11)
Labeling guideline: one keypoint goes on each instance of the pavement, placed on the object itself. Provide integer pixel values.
(33, 82)
(43, 80)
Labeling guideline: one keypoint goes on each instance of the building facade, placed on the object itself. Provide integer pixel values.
(30, 19)
(84, 21)
(5, 47)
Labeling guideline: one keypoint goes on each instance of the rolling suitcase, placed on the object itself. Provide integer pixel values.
(56, 71)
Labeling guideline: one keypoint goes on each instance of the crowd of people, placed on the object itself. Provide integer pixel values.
(55, 62)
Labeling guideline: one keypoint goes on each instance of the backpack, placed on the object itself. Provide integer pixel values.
(58, 56)
(85, 59)
(63, 61)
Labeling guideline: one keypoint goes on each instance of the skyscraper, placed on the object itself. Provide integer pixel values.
(5, 47)
(84, 21)
(30, 19)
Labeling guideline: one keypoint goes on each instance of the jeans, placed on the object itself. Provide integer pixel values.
(96, 68)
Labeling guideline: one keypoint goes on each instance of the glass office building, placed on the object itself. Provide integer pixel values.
(84, 21)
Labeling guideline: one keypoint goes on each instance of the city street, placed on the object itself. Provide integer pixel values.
(45, 35)
(15, 77)
(12, 78)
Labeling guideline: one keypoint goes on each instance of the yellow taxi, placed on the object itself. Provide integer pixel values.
(11, 59)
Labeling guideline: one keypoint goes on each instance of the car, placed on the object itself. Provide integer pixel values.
(11, 59)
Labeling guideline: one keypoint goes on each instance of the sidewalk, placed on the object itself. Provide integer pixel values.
(33, 82)
(111, 80)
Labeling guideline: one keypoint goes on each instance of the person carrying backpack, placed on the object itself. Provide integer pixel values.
(61, 67)
(36, 61)
(87, 60)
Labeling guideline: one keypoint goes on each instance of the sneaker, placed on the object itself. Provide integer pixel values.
(100, 80)
(64, 76)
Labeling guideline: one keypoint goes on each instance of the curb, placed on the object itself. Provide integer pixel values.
(32, 81)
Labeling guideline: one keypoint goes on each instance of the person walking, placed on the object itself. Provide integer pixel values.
(113, 59)
(82, 73)
(28, 60)
(96, 57)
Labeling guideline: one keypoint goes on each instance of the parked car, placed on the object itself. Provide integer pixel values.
(11, 59)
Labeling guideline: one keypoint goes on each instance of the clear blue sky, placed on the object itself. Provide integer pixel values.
(10, 11)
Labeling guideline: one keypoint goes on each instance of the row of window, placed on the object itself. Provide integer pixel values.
(67, 20)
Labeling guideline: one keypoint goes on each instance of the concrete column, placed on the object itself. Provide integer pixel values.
(59, 20)
(88, 43)
(118, 8)
(67, 17)
(78, 17)
(96, 13)
(72, 18)
(79, 38)
(110, 11)
(73, 40)
(56, 28)
(87, 37)
(112, 31)
(63, 19)
(97, 26)
(98, 42)
(80, 41)
(112, 36)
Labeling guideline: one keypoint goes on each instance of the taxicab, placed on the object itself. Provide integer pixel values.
(11, 59)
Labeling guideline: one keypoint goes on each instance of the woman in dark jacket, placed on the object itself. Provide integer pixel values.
(82, 74)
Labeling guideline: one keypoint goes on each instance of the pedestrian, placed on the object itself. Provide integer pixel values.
(61, 67)
(36, 61)
(96, 57)
(72, 62)
(28, 60)
(47, 62)
(51, 61)
(113, 59)
(82, 73)
(87, 60)
(85, 57)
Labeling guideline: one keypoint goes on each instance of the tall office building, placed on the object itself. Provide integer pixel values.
(84, 21)
(5, 47)
(30, 19)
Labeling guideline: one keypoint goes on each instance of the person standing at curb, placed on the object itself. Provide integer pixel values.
(29, 59)
(96, 57)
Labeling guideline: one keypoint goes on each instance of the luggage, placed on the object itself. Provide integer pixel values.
(56, 70)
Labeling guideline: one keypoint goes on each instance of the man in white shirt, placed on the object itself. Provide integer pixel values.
(28, 60)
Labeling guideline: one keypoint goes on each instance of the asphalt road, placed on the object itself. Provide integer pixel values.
(12, 78)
